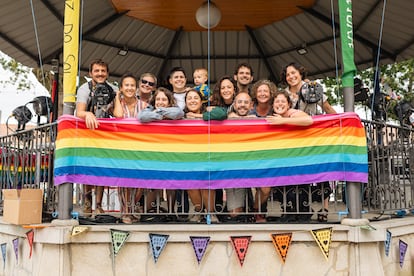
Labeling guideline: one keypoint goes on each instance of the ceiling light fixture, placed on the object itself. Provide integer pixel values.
(302, 49)
(123, 51)
(208, 15)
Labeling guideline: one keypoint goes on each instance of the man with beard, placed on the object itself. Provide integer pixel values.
(89, 107)
(242, 106)
(236, 197)
(243, 75)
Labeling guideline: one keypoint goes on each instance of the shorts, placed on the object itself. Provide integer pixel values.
(235, 198)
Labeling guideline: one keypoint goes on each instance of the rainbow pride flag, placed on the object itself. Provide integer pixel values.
(187, 154)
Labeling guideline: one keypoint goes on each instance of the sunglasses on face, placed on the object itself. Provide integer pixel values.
(147, 82)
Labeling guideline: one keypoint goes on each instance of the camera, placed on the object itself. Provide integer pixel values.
(311, 92)
(101, 97)
(103, 94)
(360, 92)
(405, 113)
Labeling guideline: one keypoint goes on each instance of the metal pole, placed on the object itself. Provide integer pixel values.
(65, 191)
(353, 189)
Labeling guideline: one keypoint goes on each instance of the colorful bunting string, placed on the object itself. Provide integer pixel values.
(76, 230)
(3, 253)
(388, 243)
(403, 249)
(323, 239)
(16, 248)
(118, 238)
(241, 244)
(282, 243)
(157, 243)
(30, 239)
(199, 245)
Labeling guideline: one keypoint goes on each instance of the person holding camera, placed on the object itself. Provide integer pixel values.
(312, 101)
(94, 100)
(309, 97)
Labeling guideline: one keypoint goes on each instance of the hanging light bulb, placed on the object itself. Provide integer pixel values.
(203, 13)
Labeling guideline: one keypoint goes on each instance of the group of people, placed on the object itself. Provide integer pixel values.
(236, 96)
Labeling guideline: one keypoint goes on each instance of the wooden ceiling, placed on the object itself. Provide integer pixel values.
(235, 14)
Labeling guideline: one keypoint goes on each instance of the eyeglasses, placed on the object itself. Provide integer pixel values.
(148, 82)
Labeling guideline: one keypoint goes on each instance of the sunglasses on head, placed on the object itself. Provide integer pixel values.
(147, 82)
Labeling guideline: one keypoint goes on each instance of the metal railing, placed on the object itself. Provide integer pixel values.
(27, 162)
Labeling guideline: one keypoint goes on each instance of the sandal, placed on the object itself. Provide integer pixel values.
(323, 215)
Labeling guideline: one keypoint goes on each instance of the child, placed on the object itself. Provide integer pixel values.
(200, 78)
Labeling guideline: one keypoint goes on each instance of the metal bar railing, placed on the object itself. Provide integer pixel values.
(27, 162)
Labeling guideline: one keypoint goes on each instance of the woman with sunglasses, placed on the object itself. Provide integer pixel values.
(146, 86)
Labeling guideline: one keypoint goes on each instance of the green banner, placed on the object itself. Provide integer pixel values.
(347, 42)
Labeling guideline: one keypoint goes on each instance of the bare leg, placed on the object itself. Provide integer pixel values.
(209, 197)
(196, 199)
(98, 197)
(171, 200)
(262, 194)
(87, 200)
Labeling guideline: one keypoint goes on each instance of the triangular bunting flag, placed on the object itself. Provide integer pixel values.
(76, 230)
(241, 244)
(403, 249)
(388, 243)
(323, 239)
(368, 227)
(157, 243)
(3, 253)
(118, 238)
(30, 239)
(199, 246)
(16, 248)
(282, 243)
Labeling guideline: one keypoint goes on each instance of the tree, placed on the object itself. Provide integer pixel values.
(396, 82)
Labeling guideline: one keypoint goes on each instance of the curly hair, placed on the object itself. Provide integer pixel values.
(216, 99)
(295, 65)
(270, 84)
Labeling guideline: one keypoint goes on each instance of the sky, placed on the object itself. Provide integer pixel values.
(10, 97)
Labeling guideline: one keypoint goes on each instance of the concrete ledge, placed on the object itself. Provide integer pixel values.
(61, 233)
(353, 250)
